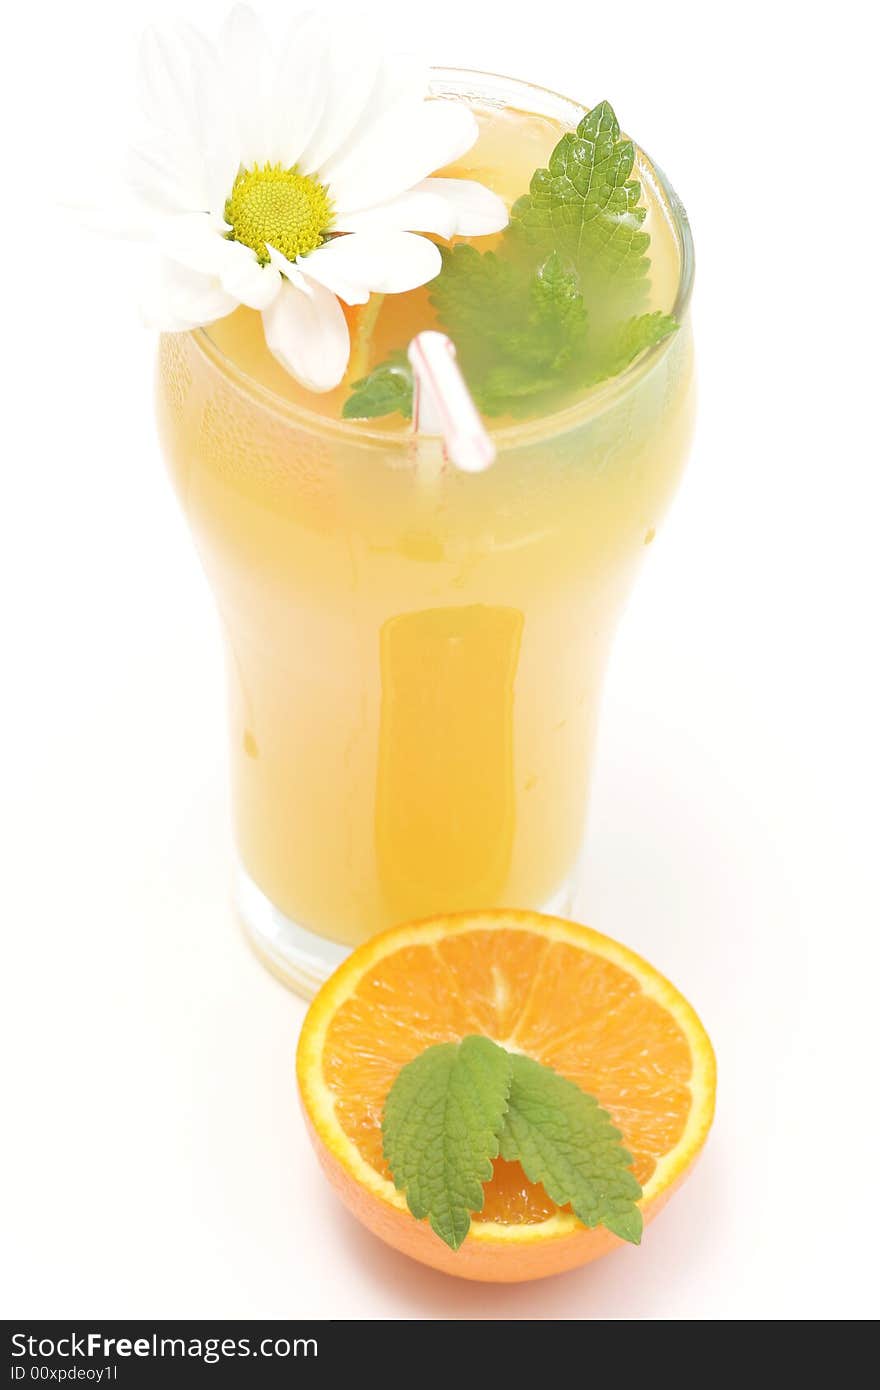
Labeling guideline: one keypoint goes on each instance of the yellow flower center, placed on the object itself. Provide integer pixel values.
(287, 210)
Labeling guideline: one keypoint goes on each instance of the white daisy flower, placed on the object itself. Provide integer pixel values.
(291, 179)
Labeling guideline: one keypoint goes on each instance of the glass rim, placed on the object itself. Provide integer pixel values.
(452, 81)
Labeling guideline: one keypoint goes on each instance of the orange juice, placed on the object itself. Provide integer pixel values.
(415, 654)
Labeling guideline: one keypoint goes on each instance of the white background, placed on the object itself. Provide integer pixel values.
(155, 1161)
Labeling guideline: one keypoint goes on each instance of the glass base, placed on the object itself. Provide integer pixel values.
(298, 957)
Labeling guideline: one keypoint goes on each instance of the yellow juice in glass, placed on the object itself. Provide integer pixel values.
(416, 654)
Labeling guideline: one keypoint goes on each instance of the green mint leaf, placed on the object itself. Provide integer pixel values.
(440, 1130)
(557, 307)
(518, 329)
(568, 1144)
(386, 390)
(621, 343)
(631, 337)
(471, 283)
(586, 207)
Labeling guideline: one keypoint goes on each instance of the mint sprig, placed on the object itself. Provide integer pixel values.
(457, 1106)
(559, 305)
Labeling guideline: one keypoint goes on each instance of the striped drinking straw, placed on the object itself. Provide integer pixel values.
(443, 405)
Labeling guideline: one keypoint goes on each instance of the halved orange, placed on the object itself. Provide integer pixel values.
(558, 992)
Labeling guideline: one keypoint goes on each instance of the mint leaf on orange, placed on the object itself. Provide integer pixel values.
(457, 1106)
(566, 1142)
(440, 1130)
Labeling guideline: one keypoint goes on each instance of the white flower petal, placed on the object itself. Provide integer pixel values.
(125, 217)
(199, 242)
(246, 61)
(410, 212)
(165, 81)
(372, 262)
(191, 156)
(306, 331)
(221, 168)
(176, 298)
(242, 275)
(400, 83)
(402, 78)
(286, 267)
(478, 211)
(219, 146)
(350, 84)
(300, 90)
(162, 180)
(400, 150)
(447, 207)
(195, 240)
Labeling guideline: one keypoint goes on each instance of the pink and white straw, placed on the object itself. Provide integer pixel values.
(442, 404)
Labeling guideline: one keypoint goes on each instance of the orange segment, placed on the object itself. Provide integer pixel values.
(556, 991)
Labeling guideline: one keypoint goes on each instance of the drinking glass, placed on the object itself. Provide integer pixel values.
(416, 654)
